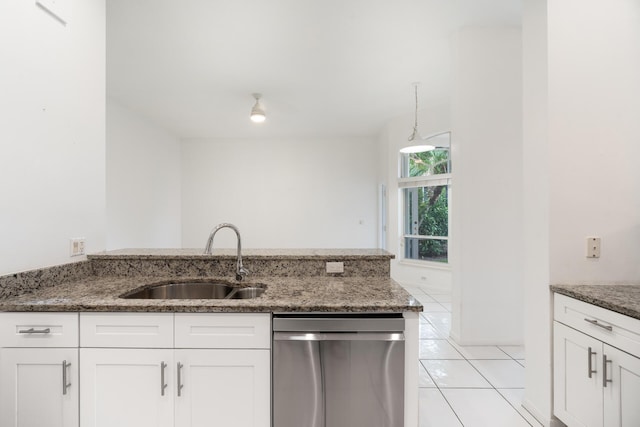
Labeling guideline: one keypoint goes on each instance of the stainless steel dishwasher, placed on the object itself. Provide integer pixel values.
(338, 370)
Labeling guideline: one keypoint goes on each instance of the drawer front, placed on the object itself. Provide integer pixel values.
(126, 330)
(38, 329)
(223, 330)
(610, 327)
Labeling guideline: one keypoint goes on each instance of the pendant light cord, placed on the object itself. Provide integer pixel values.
(415, 124)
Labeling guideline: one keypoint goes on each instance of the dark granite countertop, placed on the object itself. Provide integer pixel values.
(295, 280)
(281, 254)
(283, 294)
(621, 298)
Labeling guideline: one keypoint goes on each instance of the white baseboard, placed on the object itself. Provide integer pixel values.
(544, 420)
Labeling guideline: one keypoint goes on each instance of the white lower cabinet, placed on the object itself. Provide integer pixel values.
(596, 384)
(182, 388)
(126, 387)
(223, 388)
(198, 386)
(135, 370)
(39, 387)
(577, 382)
(622, 394)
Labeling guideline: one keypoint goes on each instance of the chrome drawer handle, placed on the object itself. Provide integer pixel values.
(595, 322)
(180, 385)
(35, 331)
(65, 385)
(604, 370)
(163, 385)
(590, 354)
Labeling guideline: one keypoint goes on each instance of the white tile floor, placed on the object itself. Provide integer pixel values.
(470, 386)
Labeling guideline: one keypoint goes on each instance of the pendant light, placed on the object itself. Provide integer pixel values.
(415, 138)
(257, 112)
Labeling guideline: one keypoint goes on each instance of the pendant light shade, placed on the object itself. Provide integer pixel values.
(257, 112)
(417, 141)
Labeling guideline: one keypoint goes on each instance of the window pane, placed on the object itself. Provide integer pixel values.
(426, 249)
(434, 162)
(426, 211)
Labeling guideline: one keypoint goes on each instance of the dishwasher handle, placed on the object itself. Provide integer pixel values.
(338, 336)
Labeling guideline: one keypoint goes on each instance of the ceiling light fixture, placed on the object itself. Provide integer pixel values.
(415, 136)
(257, 112)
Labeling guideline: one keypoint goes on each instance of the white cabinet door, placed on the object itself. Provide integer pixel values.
(622, 393)
(32, 387)
(577, 388)
(126, 387)
(223, 388)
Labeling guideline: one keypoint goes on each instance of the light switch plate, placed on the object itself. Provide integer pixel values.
(335, 267)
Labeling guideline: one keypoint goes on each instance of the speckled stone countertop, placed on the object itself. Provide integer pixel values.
(282, 254)
(623, 299)
(288, 288)
(283, 294)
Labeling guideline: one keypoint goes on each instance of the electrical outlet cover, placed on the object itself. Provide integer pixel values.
(593, 247)
(335, 267)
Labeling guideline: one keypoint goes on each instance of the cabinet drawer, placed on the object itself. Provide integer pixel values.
(610, 327)
(223, 330)
(126, 330)
(38, 329)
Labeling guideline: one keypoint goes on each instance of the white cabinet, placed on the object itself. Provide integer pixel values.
(135, 370)
(622, 394)
(39, 387)
(223, 387)
(190, 384)
(39, 369)
(126, 387)
(577, 383)
(596, 379)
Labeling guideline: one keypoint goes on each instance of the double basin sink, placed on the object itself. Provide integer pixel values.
(195, 289)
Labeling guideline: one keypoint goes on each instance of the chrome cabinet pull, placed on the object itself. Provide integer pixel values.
(590, 368)
(35, 331)
(604, 371)
(595, 322)
(162, 383)
(65, 385)
(180, 385)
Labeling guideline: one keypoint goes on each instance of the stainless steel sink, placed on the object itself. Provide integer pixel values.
(195, 290)
(246, 293)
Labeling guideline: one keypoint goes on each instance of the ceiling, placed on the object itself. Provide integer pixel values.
(324, 67)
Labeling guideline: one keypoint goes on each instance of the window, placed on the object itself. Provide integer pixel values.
(425, 180)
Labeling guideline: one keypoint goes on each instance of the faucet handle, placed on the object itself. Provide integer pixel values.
(241, 273)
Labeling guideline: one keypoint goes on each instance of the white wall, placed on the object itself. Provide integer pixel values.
(487, 236)
(594, 137)
(290, 193)
(537, 309)
(143, 182)
(589, 125)
(52, 125)
(393, 137)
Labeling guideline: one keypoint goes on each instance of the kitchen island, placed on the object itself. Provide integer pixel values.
(295, 280)
(76, 317)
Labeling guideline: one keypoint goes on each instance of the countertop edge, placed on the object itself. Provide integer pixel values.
(578, 292)
(293, 254)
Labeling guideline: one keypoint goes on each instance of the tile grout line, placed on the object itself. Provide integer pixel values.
(477, 370)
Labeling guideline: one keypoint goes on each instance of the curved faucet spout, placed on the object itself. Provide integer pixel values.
(241, 272)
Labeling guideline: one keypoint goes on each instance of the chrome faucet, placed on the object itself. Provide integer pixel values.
(241, 272)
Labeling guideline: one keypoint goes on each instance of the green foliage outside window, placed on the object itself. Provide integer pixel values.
(427, 208)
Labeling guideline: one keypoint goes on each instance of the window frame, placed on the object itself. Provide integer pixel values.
(419, 182)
